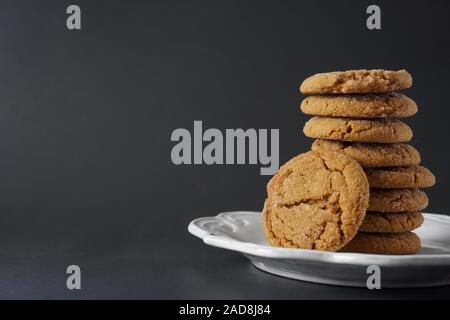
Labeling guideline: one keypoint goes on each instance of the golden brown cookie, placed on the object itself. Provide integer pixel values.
(391, 222)
(356, 81)
(316, 201)
(382, 105)
(400, 177)
(373, 155)
(359, 130)
(384, 243)
(396, 200)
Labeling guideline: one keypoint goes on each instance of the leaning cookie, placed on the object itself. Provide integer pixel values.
(396, 200)
(358, 130)
(373, 155)
(400, 177)
(384, 243)
(390, 104)
(356, 81)
(317, 200)
(391, 222)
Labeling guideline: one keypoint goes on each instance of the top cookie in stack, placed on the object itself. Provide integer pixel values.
(357, 112)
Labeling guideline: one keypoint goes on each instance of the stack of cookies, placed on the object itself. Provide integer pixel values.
(357, 113)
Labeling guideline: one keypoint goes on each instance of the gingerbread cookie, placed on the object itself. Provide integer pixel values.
(356, 81)
(347, 129)
(373, 155)
(317, 200)
(400, 177)
(384, 243)
(360, 106)
(391, 222)
(396, 200)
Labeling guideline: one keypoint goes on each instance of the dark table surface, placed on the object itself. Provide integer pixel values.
(195, 272)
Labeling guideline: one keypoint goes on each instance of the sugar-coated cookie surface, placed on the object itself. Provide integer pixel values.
(390, 104)
(396, 200)
(373, 155)
(317, 200)
(400, 177)
(356, 81)
(358, 130)
(391, 222)
(384, 243)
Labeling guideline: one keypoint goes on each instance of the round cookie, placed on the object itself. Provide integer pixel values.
(356, 81)
(390, 104)
(359, 130)
(373, 155)
(317, 200)
(400, 177)
(396, 200)
(392, 222)
(384, 243)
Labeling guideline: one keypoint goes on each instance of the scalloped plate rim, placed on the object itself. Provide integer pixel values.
(266, 251)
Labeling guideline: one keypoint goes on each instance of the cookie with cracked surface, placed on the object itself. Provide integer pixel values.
(391, 222)
(384, 243)
(400, 177)
(356, 81)
(317, 200)
(382, 105)
(396, 200)
(373, 155)
(358, 130)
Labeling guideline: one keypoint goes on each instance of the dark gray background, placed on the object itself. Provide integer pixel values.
(86, 118)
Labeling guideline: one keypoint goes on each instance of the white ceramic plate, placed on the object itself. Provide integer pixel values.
(242, 231)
